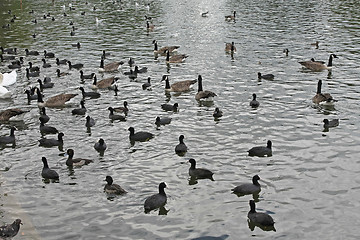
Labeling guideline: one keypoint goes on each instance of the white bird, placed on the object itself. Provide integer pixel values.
(98, 21)
(4, 93)
(7, 79)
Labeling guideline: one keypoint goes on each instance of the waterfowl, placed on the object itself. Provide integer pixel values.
(248, 188)
(51, 142)
(10, 230)
(7, 114)
(48, 173)
(286, 51)
(46, 129)
(263, 219)
(131, 61)
(30, 96)
(169, 107)
(110, 67)
(87, 76)
(140, 70)
(76, 66)
(203, 95)
(33, 68)
(266, 76)
(33, 53)
(15, 65)
(61, 74)
(139, 136)
(149, 26)
(131, 74)
(316, 44)
(48, 54)
(181, 148)
(10, 51)
(317, 65)
(162, 121)
(104, 83)
(100, 146)
(182, 86)
(90, 122)
(78, 45)
(230, 17)
(113, 188)
(89, 94)
(261, 151)
(217, 113)
(230, 47)
(157, 200)
(112, 116)
(44, 118)
(147, 84)
(254, 103)
(5, 58)
(8, 139)
(105, 54)
(43, 85)
(31, 74)
(7, 79)
(4, 93)
(63, 61)
(54, 101)
(204, 14)
(123, 109)
(81, 110)
(163, 50)
(75, 162)
(322, 98)
(330, 123)
(175, 58)
(199, 173)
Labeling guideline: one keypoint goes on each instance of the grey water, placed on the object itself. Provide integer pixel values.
(310, 185)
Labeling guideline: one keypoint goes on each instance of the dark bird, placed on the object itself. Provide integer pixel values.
(217, 113)
(262, 219)
(61, 74)
(33, 68)
(89, 94)
(266, 76)
(75, 162)
(51, 142)
(113, 188)
(63, 61)
(248, 188)
(81, 110)
(181, 148)
(139, 136)
(199, 173)
(10, 230)
(88, 76)
(90, 122)
(43, 85)
(44, 118)
(48, 173)
(261, 151)
(44, 129)
(162, 121)
(254, 103)
(147, 85)
(169, 107)
(8, 139)
(76, 66)
(100, 146)
(113, 117)
(330, 123)
(157, 200)
(45, 64)
(33, 53)
(123, 109)
(48, 54)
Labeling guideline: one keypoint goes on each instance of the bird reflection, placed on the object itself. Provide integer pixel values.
(252, 226)
(255, 195)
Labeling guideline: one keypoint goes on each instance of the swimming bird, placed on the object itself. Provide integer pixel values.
(88, 76)
(140, 70)
(76, 162)
(261, 151)
(163, 50)
(10, 230)
(81, 110)
(5, 58)
(131, 62)
(204, 14)
(112, 116)
(14, 65)
(217, 113)
(63, 61)
(4, 93)
(8, 139)
(322, 98)
(182, 86)
(44, 118)
(33, 53)
(104, 83)
(7, 79)
(230, 47)
(89, 94)
(52, 142)
(78, 45)
(105, 54)
(181, 148)
(139, 136)
(286, 51)
(43, 85)
(317, 65)
(90, 122)
(149, 26)
(230, 17)
(162, 121)
(110, 67)
(254, 103)
(147, 85)
(123, 109)
(48, 54)
(330, 123)
(100, 145)
(11, 51)
(157, 200)
(54, 101)
(248, 188)
(7, 114)
(266, 76)
(169, 107)
(33, 68)
(203, 95)
(262, 219)
(31, 74)
(46, 129)
(76, 66)
(199, 173)
(30, 94)
(316, 44)
(175, 58)
(48, 173)
(45, 64)
(61, 74)
(113, 188)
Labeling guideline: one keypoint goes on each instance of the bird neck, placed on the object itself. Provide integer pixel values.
(330, 61)
(319, 88)
(200, 88)
(167, 84)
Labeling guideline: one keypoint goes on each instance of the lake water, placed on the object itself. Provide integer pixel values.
(310, 185)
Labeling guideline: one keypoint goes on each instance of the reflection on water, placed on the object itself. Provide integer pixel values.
(308, 163)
